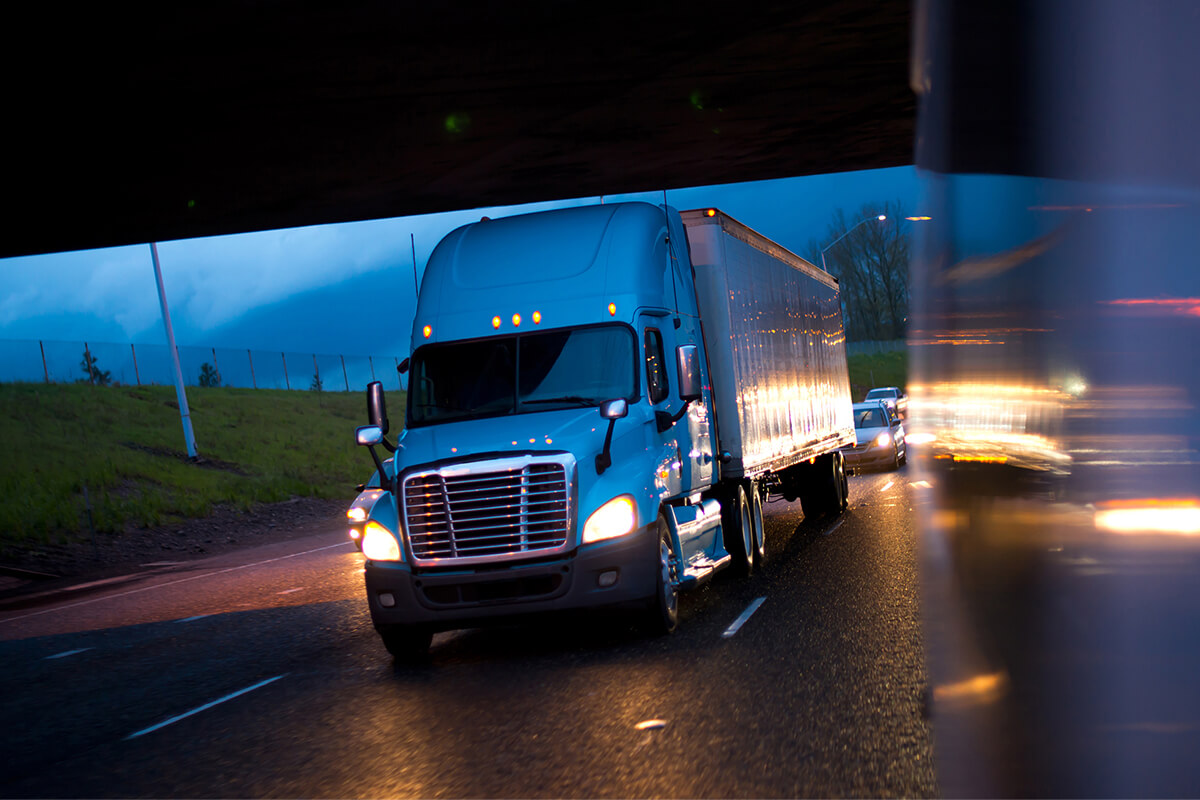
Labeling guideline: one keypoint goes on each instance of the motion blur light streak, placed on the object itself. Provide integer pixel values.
(1152, 515)
(975, 690)
(1189, 306)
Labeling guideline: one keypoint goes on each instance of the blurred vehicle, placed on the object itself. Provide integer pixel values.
(1053, 326)
(880, 435)
(893, 396)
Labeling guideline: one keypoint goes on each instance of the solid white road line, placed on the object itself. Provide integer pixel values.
(172, 583)
(289, 591)
(740, 621)
(836, 525)
(204, 707)
(888, 485)
(66, 653)
(193, 619)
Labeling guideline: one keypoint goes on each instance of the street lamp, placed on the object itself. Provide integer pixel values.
(880, 218)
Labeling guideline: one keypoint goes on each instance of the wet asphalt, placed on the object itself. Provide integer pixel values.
(259, 675)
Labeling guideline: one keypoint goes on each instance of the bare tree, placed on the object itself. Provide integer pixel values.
(871, 264)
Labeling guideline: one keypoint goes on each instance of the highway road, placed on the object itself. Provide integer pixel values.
(258, 674)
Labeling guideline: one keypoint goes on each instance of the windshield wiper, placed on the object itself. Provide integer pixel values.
(570, 398)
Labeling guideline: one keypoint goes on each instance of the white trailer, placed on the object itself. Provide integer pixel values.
(776, 349)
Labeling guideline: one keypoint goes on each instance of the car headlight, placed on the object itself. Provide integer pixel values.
(615, 518)
(379, 544)
(883, 439)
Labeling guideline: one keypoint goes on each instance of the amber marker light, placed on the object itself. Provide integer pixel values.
(516, 320)
(612, 309)
(496, 322)
(712, 212)
(427, 331)
(918, 219)
(537, 318)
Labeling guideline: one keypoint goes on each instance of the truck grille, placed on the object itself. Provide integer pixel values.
(488, 511)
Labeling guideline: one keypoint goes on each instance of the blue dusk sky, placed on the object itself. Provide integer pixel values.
(347, 288)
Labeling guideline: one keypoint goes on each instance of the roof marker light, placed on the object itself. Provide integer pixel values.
(428, 331)
(612, 309)
(712, 212)
(537, 318)
(516, 320)
(495, 322)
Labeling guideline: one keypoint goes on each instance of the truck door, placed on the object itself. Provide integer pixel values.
(688, 439)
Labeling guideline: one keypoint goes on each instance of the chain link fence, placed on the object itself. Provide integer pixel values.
(109, 363)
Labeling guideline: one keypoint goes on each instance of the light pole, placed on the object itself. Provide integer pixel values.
(879, 218)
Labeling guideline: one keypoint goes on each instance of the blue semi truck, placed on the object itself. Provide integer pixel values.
(600, 400)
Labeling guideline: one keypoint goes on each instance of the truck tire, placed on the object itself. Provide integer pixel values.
(845, 482)
(756, 522)
(737, 530)
(408, 644)
(829, 488)
(663, 615)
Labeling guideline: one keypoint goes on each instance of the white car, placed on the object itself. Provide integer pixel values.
(880, 437)
(892, 395)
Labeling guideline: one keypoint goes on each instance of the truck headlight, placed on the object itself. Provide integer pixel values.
(883, 439)
(379, 544)
(615, 518)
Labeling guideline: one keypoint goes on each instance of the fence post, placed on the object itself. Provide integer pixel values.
(344, 376)
(250, 358)
(316, 372)
(136, 376)
(286, 382)
(216, 368)
(45, 371)
(87, 357)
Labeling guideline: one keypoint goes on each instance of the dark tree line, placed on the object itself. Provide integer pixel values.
(871, 264)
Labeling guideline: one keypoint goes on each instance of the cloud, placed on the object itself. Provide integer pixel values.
(213, 282)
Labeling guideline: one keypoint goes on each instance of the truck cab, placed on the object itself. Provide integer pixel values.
(558, 400)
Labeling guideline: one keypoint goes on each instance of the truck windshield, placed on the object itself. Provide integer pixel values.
(521, 374)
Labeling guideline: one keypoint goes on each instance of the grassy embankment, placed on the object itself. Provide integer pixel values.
(888, 369)
(125, 445)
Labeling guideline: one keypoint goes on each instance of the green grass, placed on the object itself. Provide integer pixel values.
(125, 446)
(888, 369)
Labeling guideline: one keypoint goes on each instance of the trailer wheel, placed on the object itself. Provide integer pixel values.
(738, 531)
(408, 644)
(829, 492)
(663, 616)
(756, 522)
(845, 483)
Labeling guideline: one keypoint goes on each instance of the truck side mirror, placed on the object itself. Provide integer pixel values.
(687, 357)
(376, 407)
(611, 410)
(368, 435)
(402, 367)
(614, 409)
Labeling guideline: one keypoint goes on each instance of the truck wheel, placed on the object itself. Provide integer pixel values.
(737, 530)
(407, 643)
(663, 617)
(829, 489)
(756, 522)
(845, 483)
